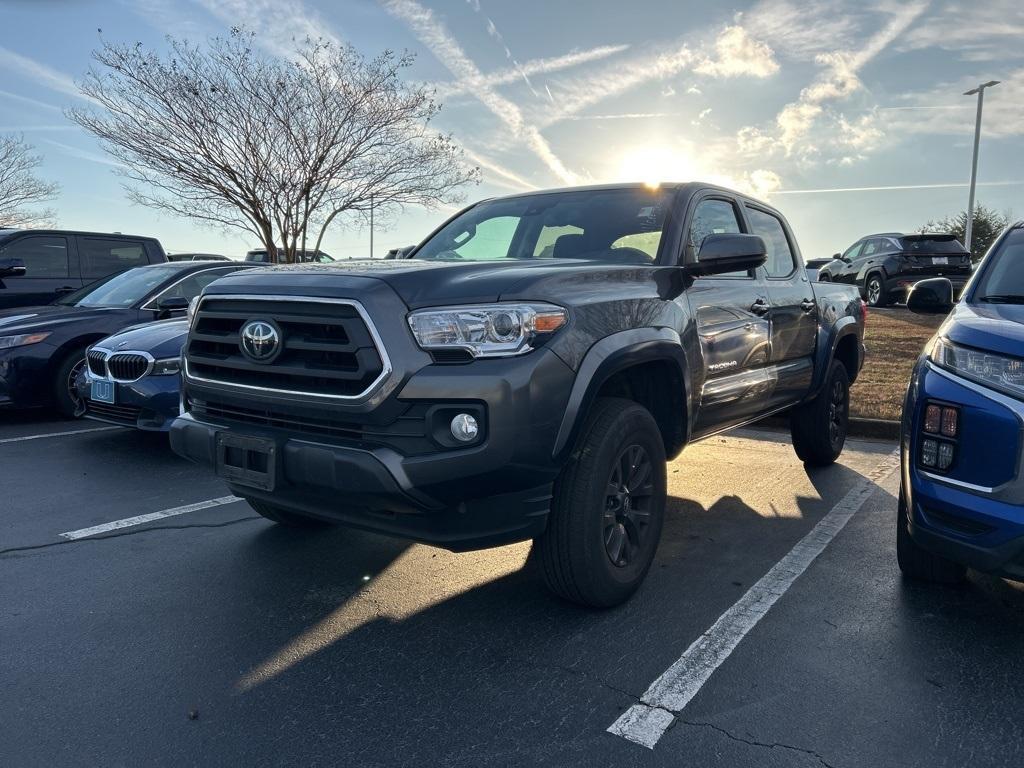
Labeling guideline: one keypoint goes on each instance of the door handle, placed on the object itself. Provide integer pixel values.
(760, 307)
(65, 289)
(807, 305)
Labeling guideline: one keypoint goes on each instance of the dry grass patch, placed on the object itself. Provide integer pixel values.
(894, 339)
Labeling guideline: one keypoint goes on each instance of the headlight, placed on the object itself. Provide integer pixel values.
(6, 342)
(486, 330)
(997, 371)
(191, 311)
(166, 367)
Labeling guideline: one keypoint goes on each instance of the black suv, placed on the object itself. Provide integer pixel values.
(885, 267)
(39, 265)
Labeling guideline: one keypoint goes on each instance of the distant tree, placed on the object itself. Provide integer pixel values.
(985, 229)
(226, 135)
(20, 188)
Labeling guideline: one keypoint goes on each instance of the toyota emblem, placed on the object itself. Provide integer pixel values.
(260, 341)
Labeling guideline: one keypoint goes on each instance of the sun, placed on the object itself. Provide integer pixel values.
(655, 163)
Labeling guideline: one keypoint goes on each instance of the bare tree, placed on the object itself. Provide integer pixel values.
(20, 188)
(229, 136)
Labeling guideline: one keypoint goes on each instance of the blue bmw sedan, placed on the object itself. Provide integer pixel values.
(961, 498)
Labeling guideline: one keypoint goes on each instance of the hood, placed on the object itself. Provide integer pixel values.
(161, 339)
(990, 327)
(418, 283)
(48, 317)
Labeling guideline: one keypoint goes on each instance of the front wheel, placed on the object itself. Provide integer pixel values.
(66, 398)
(608, 508)
(819, 427)
(875, 291)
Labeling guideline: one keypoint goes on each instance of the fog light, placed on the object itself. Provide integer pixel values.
(929, 452)
(945, 455)
(932, 417)
(464, 428)
(949, 422)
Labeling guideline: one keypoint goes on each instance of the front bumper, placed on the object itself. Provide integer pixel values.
(973, 514)
(495, 492)
(25, 376)
(150, 404)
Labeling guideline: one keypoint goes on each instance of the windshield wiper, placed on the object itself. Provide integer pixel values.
(1004, 298)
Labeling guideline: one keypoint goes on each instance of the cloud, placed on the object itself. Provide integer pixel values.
(38, 73)
(737, 54)
(84, 154)
(975, 31)
(505, 176)
(31, 101)
(433, 34)
(802, 30)
(625, 116)
(531, 68)
(898, 187)
(278, 24)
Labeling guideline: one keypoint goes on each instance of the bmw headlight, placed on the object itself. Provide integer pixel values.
(169, 366)
(22, 340)
(486, 330)
(1000, 372)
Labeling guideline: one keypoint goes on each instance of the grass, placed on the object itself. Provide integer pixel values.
(894, 339)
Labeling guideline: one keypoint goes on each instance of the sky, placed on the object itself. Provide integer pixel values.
(847, 116)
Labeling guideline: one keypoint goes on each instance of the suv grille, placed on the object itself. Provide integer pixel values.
(328, 350)
(127, 366)
(97, 362)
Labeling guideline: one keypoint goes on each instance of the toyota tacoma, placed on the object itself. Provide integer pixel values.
(524, 373)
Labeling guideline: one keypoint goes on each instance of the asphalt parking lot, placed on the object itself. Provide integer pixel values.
(211, 637)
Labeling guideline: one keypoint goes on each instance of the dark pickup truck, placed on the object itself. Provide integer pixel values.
(524, 373)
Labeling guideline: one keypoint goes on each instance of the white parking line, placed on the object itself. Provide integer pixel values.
(128, 522)
(57, 434)
(644, 723)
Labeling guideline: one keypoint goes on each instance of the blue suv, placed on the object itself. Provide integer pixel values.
(961, 498)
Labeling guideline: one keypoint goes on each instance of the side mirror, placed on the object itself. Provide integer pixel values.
(171, 304)
(837, 256)
(12, 268)
(721, 253)
(931, 297)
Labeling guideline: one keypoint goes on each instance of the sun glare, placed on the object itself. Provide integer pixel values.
(653, 164)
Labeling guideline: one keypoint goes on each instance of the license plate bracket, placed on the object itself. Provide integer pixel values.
(102, 391)
(246, 460)
(937, 260)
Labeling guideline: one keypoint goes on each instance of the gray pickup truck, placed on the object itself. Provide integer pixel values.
(524, 373)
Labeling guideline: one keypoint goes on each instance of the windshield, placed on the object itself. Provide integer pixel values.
(121, 290)
(1004, 269)
(622, 226)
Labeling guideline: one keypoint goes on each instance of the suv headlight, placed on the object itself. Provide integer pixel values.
(167, 367)
(191, 311)
(1000, 372)
(486, 330)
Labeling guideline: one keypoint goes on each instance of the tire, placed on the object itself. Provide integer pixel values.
(65, 400)
(819, 427)
(874, 291)
(602, 534)
(918, 563)
(285, 517)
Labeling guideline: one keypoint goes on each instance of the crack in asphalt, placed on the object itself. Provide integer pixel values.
(122, 534)
(754, 743)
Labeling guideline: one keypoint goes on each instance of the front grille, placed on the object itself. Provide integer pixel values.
(122, 414)
(127, 366)
(328, 350)
(97, 362)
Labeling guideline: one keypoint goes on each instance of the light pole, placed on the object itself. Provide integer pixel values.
(980, 90)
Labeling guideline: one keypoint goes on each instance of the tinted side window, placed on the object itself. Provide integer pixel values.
(854, 250)
(714, 217)
(103, 257)
(781, 261)
(872, 247)
(192, 285)
(43, 256)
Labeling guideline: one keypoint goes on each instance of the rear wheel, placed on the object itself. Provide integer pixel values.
(285, 517)
(608, 508)
(874, 291)
(819, 427)
(66, 399)
(918, 563)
